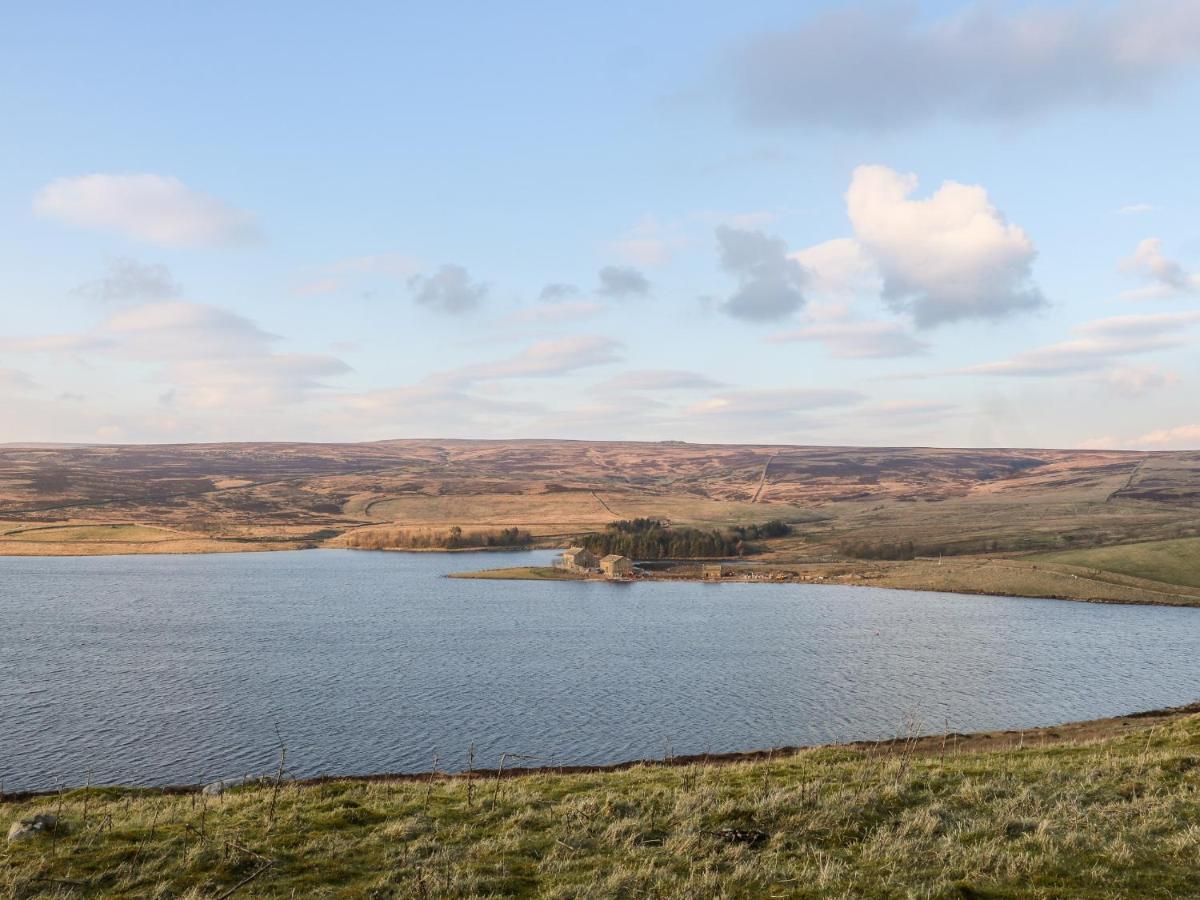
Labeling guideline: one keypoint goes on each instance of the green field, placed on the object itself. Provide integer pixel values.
(1109, 817)
(1172, 562)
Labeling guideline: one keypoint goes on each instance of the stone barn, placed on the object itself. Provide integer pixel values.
(578, 559)
(616, 566)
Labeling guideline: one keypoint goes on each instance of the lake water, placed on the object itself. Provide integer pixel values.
(179, 669)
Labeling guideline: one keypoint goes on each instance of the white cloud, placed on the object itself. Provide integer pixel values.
(1098, 345)
(880, 66)
(946, 258)
(1182, 437)
(858, 340)
(840, 268)
(1136, 209)
(155, 208)
(181, 329)
(1168, 278)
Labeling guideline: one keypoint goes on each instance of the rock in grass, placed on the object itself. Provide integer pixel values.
(748, 836)
(24, 829)
(217, 788)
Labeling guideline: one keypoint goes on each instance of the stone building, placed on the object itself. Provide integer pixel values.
(616, 566)
(578, 559)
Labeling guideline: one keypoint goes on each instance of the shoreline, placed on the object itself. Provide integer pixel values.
(1009, 577)
(928, 744)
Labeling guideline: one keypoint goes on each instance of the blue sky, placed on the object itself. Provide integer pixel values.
(942, 223)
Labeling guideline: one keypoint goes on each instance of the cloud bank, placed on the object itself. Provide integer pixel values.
(872, 68)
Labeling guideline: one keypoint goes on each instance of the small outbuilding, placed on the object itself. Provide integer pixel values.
(578, 559)
(712, 572)
(616, 566)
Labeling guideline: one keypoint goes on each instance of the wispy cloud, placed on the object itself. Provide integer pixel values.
(1098, 345)
(544, 359)
(211, 357)
(1136, 209)
(858, 340)
(659, 380)
(648, 243)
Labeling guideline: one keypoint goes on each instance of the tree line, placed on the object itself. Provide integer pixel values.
(645, 539)
(453, 538)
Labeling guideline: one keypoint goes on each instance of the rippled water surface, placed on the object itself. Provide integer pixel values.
(177, 669)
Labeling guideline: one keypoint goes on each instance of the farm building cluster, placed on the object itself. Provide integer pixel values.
(614, 567)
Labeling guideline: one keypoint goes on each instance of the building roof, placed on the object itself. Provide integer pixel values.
(574, 551)
(613, 557)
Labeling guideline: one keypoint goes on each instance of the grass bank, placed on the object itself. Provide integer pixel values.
(1176, 561)
(521, 573)
(1095, 809)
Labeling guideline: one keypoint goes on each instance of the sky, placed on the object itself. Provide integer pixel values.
(935, 224)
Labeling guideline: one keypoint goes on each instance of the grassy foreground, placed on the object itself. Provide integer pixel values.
(1057, 813)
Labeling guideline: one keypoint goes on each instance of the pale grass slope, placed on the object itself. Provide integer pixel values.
(1116, 817)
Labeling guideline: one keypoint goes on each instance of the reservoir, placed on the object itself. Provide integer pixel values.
(155, 670)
